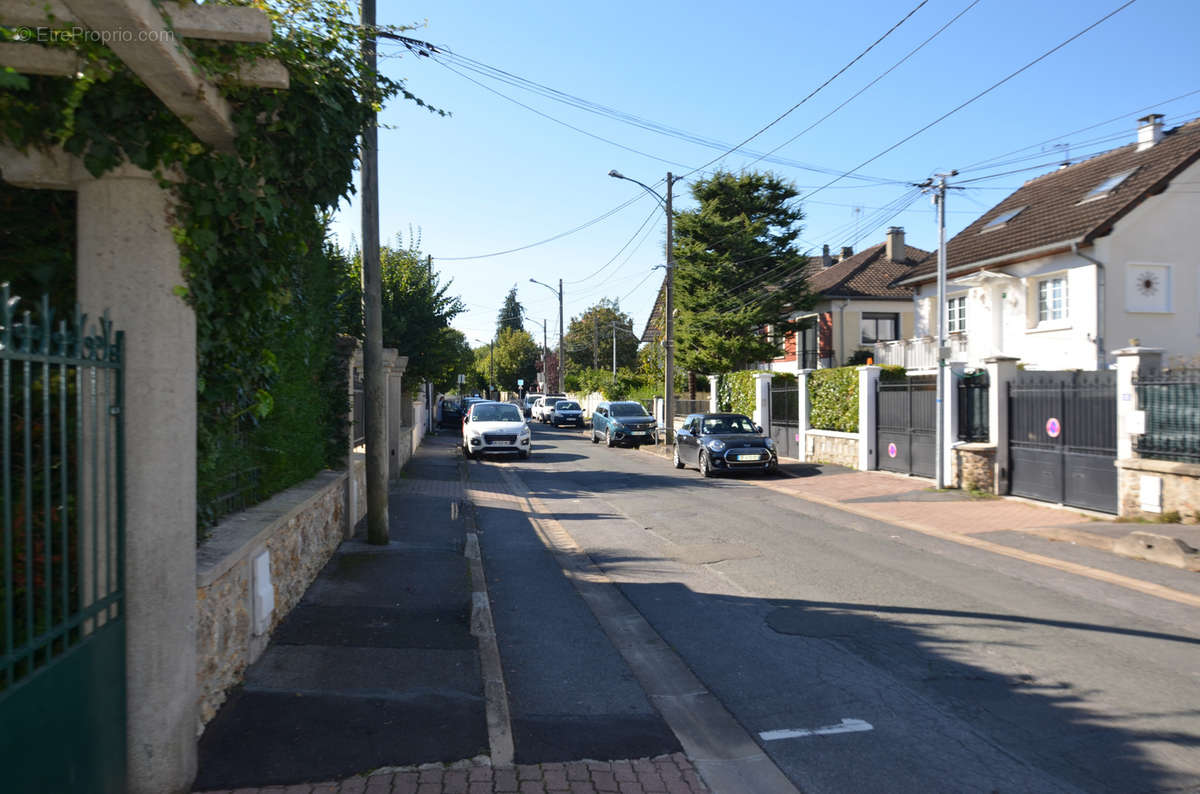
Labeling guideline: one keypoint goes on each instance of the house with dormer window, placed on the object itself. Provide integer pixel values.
(1074, 264)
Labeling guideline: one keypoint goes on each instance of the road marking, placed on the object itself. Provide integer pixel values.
(847, 725)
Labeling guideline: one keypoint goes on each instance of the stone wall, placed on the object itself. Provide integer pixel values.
(300, 528)
(973, 467)
(1180, 488)
(829, 446)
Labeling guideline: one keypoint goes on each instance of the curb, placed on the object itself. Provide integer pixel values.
(495, 692)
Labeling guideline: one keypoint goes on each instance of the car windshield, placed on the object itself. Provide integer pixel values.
(496, 413)
(717, 425)
(531, 399)
(628, 409)
(566, 405)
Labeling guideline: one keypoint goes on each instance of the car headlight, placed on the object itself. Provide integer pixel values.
(618, 426)
(715, 444)
(525, 431)
(769, 443)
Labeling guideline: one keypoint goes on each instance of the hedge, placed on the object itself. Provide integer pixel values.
(833, 396)
(735, 392)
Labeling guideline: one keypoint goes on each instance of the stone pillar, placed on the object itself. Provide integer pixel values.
(1001, 370)
(953, 374)
(762, 400)
(392, 410)
(868, 384)
(803, 414)
(352, 478)
(714, 404)
(128, 263)
(1130, 421)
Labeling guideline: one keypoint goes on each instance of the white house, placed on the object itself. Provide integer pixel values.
(1075, 263)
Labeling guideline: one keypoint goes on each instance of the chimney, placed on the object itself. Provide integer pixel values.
(847, 252)
(826, 259)
(1150, 131)
(895, 245)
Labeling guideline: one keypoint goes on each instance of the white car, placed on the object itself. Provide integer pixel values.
(495, 427)
(543, 409)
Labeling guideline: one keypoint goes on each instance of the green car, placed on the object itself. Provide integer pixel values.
(625, 423)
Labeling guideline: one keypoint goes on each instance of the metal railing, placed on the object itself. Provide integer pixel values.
(918, 352)
(973, 407)
(1171, 402)
(63, 508)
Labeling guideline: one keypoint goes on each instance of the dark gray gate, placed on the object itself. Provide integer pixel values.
(906, 426)
(62, 598)
(785, 418)
(1063, 438)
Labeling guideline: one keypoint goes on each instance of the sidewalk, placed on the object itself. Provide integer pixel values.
(374, 685)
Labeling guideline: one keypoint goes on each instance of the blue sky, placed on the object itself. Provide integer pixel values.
(495, 176)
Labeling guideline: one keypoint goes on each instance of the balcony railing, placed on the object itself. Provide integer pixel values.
(919, 352)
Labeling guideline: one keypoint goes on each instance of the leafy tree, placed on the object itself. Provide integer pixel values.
(513, 355)
(589, 338)
(737, 271)
(417, 311)
(512, 313)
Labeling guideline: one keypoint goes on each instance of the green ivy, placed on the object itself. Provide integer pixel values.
(735, 392)
(250, 225)
(833, 399)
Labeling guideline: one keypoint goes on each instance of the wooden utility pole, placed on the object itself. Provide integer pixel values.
(374, 387)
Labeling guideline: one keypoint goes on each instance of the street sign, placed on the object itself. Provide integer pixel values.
(462, 379)
(520, 381)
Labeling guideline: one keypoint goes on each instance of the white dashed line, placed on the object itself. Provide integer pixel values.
(845, 726)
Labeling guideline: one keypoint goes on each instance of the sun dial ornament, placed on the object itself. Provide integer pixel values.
(1148, 288)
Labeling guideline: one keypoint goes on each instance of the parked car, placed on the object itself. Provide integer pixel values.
(724, 442)
(528, 403)
(566, 412)
(467, 402)
(452, 414)
(544, 407)
(495, 427)
(624, 422)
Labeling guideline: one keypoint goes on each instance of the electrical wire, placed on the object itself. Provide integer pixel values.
(862, 90)
(977, 96)
(815, 91)
(633, 237)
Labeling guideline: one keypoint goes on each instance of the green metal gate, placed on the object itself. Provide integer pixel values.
(62, 610)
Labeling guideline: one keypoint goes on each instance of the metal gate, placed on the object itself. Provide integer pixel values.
(62, 621)
(785, 418)
(1063, 438)
(906, 426)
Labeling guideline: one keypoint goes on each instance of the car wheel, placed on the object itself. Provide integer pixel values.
(608, 439)
(705, 466)
(675, 459)
(595, 438)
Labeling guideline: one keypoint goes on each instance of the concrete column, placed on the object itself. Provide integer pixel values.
(1130, 423)
(868, 382)
(1001, 370)
(391, 411)
(805, 411)
(762, 400)
(953, 374)
(128, 262)
(352, 478)
(714, 404)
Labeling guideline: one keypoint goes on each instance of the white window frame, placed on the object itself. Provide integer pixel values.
(1045, 313)
(956, 322)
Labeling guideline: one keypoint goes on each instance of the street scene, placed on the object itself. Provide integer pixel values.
(620, 399)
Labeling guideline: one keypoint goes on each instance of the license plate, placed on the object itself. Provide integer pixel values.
(502, 443)
(748, 457)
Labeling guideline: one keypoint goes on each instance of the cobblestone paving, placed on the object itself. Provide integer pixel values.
(665, 774)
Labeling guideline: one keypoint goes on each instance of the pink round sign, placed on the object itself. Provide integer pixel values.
(1053, 427)
(892, 450)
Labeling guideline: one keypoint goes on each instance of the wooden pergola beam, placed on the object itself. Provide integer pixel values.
(191, 21)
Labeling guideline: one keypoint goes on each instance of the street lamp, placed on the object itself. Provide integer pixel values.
(491, 363)
(669, 301)
(560, 332)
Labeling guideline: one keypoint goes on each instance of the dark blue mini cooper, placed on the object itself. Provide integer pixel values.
(724, 442)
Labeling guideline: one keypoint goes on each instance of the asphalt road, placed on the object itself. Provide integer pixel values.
(859, 655)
